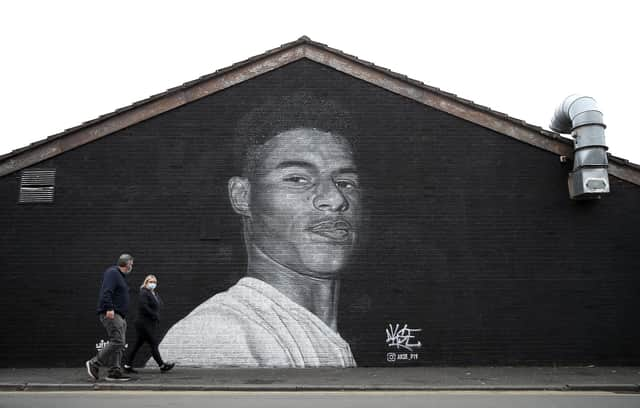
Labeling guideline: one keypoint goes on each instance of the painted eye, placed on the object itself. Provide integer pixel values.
(346, 184)
(296, 180)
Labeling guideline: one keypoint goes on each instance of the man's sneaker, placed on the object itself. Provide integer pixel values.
(167, 366)
(129, 369)
(92, 369)
(117, 376)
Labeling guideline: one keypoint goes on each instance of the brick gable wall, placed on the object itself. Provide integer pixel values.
(470, 236)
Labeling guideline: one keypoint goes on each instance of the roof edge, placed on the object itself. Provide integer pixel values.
(275, 58)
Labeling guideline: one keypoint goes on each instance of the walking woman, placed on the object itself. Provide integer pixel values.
(146, 325)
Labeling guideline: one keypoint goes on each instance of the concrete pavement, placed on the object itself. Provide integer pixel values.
(321, 399)
(622, 379)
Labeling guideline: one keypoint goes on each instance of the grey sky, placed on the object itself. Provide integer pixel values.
(67, 62)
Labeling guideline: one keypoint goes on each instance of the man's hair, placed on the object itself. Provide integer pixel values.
(124, 259)
(277, 114)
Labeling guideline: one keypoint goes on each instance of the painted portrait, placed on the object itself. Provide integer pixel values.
(298, 199)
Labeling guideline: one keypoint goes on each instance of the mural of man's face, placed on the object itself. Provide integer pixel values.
(304, 202)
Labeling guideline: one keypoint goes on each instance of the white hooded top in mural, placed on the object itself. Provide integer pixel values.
(254, 325)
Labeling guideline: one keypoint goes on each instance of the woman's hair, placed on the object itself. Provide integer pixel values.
(147, 279)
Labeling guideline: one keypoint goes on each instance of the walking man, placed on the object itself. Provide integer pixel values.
(112, 309)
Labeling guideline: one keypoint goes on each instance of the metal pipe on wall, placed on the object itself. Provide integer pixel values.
(580, 116)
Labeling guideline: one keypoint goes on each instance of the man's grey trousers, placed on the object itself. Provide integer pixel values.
(111, 354)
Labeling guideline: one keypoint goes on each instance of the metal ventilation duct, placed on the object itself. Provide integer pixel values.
(580, 116)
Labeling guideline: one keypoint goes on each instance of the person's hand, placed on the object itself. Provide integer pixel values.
(110, 314)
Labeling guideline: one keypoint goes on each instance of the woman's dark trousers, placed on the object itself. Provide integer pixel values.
(146, 332)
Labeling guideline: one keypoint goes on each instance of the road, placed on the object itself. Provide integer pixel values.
(371, 399)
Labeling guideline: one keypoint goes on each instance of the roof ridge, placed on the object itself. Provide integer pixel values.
(307, 41)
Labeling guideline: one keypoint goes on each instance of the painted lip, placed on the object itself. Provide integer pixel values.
(339, 231)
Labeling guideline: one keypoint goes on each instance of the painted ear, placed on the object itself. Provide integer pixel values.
(239, 190)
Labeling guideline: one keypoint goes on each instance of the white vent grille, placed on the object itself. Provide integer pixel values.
(37, 186)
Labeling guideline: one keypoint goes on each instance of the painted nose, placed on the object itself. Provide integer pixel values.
(330, 198)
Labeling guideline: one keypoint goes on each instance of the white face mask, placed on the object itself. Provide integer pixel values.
(152, 286)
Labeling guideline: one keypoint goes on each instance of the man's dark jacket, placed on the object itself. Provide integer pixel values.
(114, 293)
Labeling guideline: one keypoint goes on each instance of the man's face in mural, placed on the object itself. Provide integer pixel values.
(304, 202)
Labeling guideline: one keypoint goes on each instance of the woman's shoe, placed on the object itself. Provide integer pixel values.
(166, 367)
(129, 369)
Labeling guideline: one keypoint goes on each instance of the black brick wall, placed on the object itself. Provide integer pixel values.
(470, 236)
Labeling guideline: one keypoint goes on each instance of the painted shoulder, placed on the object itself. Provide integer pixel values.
(223, 331)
